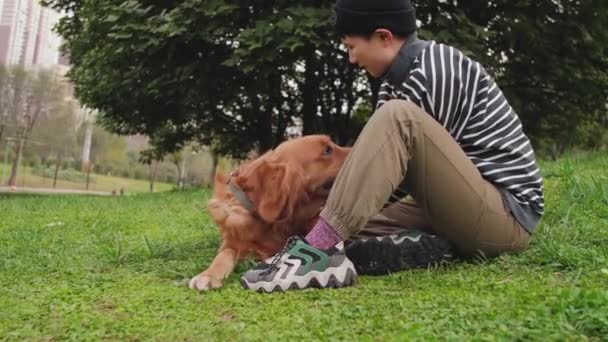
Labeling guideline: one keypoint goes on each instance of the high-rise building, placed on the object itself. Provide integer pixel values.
(48, 42)
(13, 23)
(32, 33)
(26, 35)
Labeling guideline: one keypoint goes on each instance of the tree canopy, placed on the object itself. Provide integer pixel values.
(234, 75)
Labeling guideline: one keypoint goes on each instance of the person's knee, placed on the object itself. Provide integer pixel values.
(394, 111)
(400, 105)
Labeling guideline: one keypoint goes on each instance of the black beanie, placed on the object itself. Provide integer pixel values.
(366, 16)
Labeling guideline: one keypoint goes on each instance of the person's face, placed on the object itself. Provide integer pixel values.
(374, 54)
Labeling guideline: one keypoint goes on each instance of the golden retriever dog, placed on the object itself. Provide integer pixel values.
(267, 200)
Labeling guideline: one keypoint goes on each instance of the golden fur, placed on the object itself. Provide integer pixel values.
(288, 186)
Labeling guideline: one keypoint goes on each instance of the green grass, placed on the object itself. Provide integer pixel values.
(102, 182)
(86, 268)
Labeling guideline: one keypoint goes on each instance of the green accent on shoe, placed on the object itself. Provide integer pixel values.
(319, 265)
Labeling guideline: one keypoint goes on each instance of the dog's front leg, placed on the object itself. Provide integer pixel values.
(221, 267)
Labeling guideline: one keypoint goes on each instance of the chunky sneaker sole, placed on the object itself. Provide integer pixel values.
(392, 253)
(301, 266)
(336, 277)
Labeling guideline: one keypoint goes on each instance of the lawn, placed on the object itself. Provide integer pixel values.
(100, 182)
(89, 268)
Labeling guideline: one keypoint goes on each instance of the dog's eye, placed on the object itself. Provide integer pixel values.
(328, 150)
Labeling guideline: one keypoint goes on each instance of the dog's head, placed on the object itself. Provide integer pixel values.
(290, 175)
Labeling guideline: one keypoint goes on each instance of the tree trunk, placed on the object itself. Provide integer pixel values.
(181, 171)
(2, 126)
(283, 116)
(3, 119)
(43, 163)
(279, 134)
(86, 148)
(152, 175)
(57, 165)
(18, 156)
(309, 95)
(88, 174)
(265, 137)
(179, 175)
(556, 150)
(214, 161)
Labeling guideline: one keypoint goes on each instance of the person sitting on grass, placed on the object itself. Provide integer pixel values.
(442, 132)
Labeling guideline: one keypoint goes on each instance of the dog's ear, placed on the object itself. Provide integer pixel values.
(221, 178)
(273, 187)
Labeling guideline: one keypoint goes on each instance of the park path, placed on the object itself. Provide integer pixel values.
(26, 190)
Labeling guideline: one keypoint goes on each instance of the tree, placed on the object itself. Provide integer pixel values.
(235, 74)
(167, 58)
(549, 57)
(152, 159)
(179, 160)
(187, 71)
(33, 96)
(56, 131)
(13, 101)
(5, 93)
(108, 150)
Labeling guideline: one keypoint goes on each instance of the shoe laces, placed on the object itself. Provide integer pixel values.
(277, 257)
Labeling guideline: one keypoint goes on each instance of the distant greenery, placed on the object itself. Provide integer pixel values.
(54, 128)
(71, 175)
(102, 182)
(84, 268)
(234, 75)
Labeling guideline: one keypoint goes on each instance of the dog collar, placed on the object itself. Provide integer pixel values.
(240, 195)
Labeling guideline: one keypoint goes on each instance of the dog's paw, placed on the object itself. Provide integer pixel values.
(204, 282)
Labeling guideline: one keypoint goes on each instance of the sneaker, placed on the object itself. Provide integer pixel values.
(299, 265)
(397, 252)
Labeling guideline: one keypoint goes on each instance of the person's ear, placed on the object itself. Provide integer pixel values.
(385, 35)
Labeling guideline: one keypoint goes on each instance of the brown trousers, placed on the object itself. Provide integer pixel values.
(403, 148)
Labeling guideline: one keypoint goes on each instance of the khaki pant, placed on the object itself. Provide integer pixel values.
(404, 149)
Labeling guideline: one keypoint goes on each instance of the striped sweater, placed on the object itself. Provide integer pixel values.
(464, 99)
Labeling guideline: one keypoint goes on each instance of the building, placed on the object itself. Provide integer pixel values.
(26, 35)
(13, 20)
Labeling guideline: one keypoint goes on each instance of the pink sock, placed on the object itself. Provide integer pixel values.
(322, 235)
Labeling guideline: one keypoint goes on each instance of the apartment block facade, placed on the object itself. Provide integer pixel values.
(26, 35)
